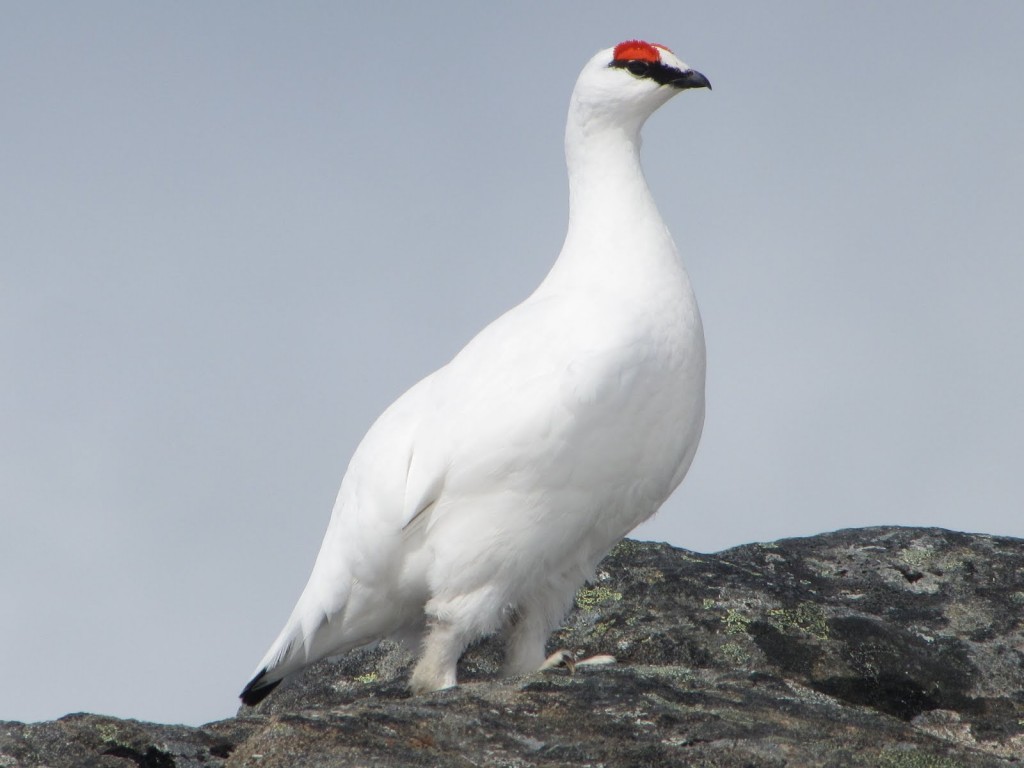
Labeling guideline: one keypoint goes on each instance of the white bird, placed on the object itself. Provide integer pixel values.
(486, 495)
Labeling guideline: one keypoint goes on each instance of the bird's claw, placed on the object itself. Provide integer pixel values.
(564, 658)
(560, 658)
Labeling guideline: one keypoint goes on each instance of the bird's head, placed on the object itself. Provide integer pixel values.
(631, 80)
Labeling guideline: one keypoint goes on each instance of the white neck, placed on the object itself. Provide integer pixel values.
(614, 225)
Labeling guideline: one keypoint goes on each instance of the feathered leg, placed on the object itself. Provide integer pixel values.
(535, 619)
(528, 635)
(442, 648)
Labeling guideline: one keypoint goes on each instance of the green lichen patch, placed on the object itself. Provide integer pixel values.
(651, 575)
(626, 547)
(109, 732)
(735, 654)
(589, 598)
(939, 562)
(806, 617)
(918, 557)
(736, 623)
(911, 758)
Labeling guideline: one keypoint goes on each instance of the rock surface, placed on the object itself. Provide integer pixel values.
(882, 647)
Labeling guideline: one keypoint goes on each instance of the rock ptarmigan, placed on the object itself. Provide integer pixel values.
(485, 496)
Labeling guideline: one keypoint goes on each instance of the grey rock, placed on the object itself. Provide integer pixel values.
(883, 647)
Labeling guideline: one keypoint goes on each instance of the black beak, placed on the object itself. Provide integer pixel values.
(691, 78)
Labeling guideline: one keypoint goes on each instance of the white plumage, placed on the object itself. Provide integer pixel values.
(485, 496)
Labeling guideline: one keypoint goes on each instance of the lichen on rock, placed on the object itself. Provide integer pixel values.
(881, 647)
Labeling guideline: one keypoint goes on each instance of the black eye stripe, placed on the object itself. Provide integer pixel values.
(657, 71)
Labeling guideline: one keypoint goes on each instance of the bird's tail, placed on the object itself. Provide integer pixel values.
(309, 635)
(257, 689)
(334, 614)
(317, 628)
(288, 654)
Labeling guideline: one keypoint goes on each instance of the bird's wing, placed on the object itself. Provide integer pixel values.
(498, 416)
(347, 600)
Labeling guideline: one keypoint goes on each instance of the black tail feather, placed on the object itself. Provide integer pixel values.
(256, 690)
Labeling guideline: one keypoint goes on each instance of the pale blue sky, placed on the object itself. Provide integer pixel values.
(232, 233)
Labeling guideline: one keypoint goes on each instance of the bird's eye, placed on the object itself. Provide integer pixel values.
(638, 68)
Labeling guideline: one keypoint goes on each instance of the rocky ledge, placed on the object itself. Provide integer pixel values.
(882, 647)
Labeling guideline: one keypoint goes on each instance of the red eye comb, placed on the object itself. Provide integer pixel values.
(638, 50)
